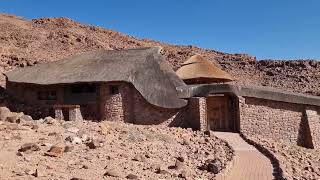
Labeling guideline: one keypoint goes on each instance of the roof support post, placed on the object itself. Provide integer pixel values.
(75, 114)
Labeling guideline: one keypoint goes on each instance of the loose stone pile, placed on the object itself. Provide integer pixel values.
(52, 149)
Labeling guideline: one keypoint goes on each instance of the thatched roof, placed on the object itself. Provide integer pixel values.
(145, 68)
(199, 68)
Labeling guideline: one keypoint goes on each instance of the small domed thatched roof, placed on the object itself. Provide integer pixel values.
(197, 69)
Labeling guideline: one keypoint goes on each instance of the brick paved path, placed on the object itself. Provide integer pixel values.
(249, 163)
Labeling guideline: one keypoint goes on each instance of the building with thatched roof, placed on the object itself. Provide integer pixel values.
(198, 70)
(113, 85)
(139, 86)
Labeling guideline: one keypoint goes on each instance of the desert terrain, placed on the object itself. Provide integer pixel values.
(50, 149)
(27, 42)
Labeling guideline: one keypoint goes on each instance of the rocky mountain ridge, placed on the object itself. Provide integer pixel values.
(29, 42)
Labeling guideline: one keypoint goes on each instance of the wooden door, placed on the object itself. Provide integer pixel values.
(217, 113)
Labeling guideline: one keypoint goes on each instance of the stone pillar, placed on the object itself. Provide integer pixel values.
(75, 114)
(203, 114)
(242, 103)
(313, 119)
(58, 114)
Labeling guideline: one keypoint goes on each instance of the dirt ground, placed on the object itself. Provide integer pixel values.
(107, 150)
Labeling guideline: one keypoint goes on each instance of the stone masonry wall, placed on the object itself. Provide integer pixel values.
(116, 106)
(197, 113)
(278, 120)
(130, 106)
(146, 113)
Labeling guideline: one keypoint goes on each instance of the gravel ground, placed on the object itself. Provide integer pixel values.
(297, 162)
(107, 150)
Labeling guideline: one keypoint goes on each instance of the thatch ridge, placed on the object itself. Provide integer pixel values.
(145, 68)
(197, 67)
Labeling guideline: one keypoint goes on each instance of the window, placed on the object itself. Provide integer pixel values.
(47, 95)
(83, 88)
(114, 89)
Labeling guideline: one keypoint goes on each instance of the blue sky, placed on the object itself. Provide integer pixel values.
(277, 29)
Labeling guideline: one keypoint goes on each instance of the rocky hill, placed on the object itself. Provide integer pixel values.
(28, 42)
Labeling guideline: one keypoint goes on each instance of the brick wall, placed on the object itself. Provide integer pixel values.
(278, 120)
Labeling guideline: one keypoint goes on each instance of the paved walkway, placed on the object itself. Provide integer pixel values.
(249, 163)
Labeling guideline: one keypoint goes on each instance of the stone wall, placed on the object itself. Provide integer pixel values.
(128, 105)
(146, 113)
(278, 120)
(116, 106)
(196, 114)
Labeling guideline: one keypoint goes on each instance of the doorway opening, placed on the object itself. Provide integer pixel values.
(222, 113)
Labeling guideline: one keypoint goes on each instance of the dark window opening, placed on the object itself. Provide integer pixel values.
(47, 95)
(114, 89)
(83, 88)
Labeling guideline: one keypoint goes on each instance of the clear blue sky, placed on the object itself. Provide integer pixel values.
(278, 29)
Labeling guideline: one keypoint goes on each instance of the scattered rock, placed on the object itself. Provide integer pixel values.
(55, 151)
(52, 134)
(68, 148)
(74, 178)
(13, 118)
(4, 113)
(131, 176)
(36, 173)
(161, 170)
(213, 166)
(93, 144)
(76, 140)
(112, 173)
(139, 158)
(179, 164)
(28, 147)
(73, 130)
(26, 118)
(85, 166)
(50, 120)
(85, 138)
